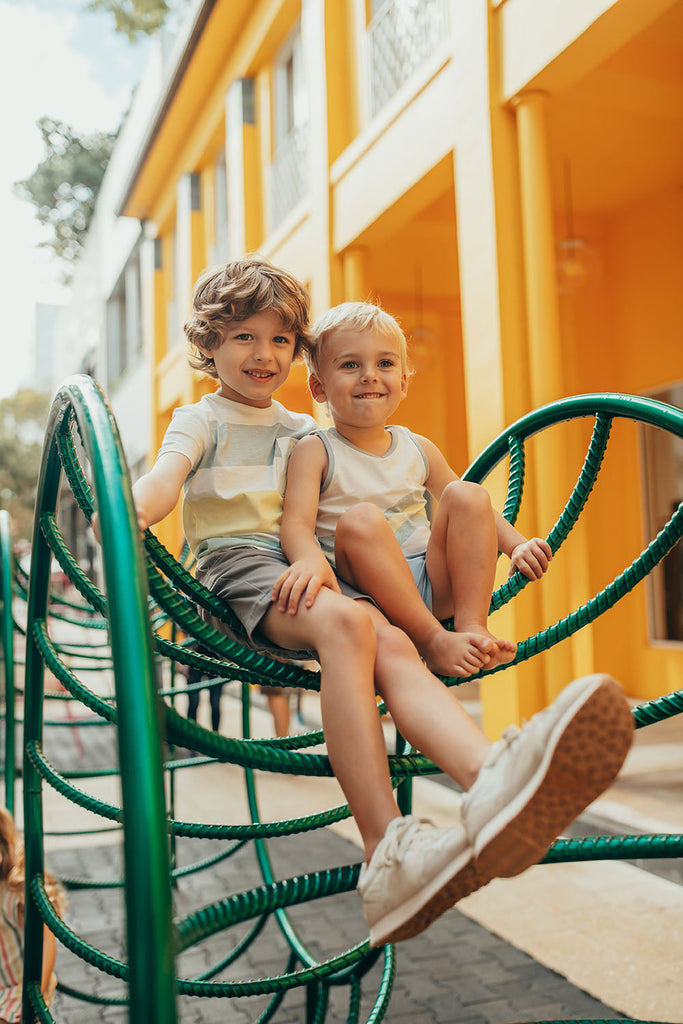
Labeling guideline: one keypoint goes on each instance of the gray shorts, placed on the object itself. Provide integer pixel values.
(244, 577)
(418, 567)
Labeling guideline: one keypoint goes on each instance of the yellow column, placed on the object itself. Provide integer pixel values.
(548, 474)
(543, 322)
(353, 272)
(493, 308)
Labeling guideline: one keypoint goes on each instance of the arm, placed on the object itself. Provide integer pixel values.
(49, 957)
(530, 557)
(309, 569)
(156, 493)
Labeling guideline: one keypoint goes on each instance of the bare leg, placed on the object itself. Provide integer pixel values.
(278, 705)
(342, 633)
(425, 711)
(461, 563)
(368, 556)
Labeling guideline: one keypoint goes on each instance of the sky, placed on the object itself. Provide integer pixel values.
(61, 60)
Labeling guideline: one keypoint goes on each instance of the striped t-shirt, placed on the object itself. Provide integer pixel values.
(394, 482)
(239, 453)
(11, 955)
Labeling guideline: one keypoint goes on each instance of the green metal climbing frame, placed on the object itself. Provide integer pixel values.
(145, 589)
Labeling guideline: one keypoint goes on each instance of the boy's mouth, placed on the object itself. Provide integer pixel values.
(370, 394)
(260, 374)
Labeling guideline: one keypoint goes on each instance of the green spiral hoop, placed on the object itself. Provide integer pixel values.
(146, 589)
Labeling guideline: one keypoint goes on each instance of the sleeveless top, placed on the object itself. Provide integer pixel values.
(394, 482)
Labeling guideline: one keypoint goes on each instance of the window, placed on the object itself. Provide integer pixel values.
(289, 178)
(401, 35)
(663, 462)
(124, 320)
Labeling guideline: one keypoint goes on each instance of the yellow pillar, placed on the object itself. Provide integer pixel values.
(543, 321)
(353, 273)
(493, 308)
(547, 476)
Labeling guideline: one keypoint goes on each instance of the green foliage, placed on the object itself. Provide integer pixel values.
(64, 185)
(23, 418)
(134, 17)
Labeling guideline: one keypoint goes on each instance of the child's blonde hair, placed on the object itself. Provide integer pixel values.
(353, 316)
(12, 870)
(236, 290)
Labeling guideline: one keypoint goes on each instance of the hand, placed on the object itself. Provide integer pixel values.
(531, 558)
(305, 579)
(95, 526)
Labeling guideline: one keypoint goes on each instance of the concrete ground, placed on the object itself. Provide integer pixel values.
(597, 940)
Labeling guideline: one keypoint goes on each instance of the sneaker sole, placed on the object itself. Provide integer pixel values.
(584, 755)
(418, 912)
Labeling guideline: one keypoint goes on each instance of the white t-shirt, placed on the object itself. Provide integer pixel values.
(239, 454)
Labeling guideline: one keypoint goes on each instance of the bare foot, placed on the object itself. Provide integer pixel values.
(502, 652)
(458, 654)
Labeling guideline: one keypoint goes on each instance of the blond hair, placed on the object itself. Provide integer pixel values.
(353, 316)
(12, 870)
(236, 290)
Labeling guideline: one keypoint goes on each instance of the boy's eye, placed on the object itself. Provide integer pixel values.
(386, 362)
(282, 340)
(349, 364)
(243, 336)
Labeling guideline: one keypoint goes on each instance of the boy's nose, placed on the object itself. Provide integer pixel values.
(369, 373)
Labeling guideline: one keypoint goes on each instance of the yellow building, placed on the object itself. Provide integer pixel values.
(505, 177)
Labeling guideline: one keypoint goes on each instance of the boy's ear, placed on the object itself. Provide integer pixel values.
(404, 384)
(206, 352)
(316, 388)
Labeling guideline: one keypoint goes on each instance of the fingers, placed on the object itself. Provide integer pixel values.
(293, 586)
(286, 591)
(531, 558)
(95, 524)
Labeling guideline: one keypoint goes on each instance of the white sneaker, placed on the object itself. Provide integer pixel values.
(537, 779)
(414, 875)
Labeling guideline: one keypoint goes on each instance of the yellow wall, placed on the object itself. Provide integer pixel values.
(447, 208)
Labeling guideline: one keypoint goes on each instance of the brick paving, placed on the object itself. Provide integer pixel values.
(455, 973)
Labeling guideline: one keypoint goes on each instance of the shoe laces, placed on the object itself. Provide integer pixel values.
(510, 734)
(398, 839)
(507, 738)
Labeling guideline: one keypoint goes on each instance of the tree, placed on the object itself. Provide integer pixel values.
(23, 418)
(64, 185)
(134, 17)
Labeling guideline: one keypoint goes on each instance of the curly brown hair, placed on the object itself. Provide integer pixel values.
(236, 290)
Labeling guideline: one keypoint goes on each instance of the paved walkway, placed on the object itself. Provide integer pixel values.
(456, 973)
(588, 941)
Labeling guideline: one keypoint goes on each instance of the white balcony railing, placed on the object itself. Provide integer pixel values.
(400, 36)
(289, 174)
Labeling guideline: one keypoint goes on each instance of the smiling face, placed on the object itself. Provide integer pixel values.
(362, 380)
(254, 358)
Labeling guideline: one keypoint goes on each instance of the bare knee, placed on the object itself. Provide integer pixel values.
(350, 627)
(360, 524)
(463, 496)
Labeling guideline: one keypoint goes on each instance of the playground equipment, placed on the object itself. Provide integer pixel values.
(146, 587)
